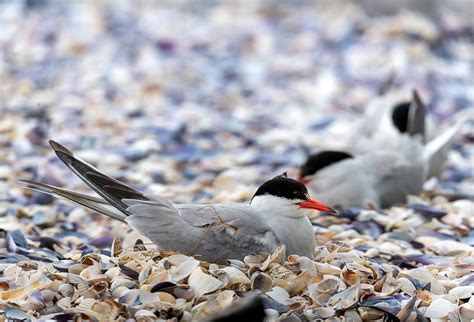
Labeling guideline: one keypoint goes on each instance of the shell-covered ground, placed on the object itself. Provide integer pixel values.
(201, 102)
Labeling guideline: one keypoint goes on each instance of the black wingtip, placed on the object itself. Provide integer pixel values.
(57, 147)
(417, 116)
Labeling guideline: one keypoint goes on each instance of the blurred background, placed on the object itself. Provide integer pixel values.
(170, 95)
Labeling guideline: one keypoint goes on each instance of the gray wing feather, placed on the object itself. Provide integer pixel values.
(214, 232)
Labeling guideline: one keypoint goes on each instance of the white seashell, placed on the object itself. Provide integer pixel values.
(307, 264)
(279, 294)
(451, 248)
(184, 269)
(467, 312)
(145, 313)
(462, 292)
(440, 308)
(344, 299)
(236, 275)
(215, 304)
(66, 290)
(324, 268)
(406, 285)
(177, 259)
(202, 283)
(64, 303)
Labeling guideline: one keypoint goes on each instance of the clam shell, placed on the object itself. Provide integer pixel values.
(215, 304)
(279, 294)
(261, 281)
(462, 292)
(344, 299)
(202, 283)
(236, 276)
(184, 269)
(440, 308)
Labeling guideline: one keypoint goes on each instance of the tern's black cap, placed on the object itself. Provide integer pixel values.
(400, 116)
(320, 160)
(282, 186)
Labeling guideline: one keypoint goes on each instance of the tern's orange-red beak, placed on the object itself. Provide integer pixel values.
(316, 205)
(303, 181)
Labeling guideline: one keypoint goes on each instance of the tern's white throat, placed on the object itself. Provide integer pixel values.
(278, 206)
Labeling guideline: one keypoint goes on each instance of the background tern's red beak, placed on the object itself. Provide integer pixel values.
(316, 205)
(303, 181)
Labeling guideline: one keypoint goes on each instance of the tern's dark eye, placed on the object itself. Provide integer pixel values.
(316, 162)
(284, 187)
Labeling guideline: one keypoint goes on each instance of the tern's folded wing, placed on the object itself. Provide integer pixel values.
(213, 232)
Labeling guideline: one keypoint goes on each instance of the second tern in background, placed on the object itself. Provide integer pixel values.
(276, 215)
(382, 177)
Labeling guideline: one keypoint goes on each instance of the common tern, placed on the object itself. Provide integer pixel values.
(276, 215)
(381, 177)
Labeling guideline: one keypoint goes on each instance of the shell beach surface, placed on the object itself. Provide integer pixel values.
(202, 102)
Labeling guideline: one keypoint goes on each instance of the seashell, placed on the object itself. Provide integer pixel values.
(82, 285)
(466, 311)
(407, 309)
(290, 318)
(344, 299)
(352, 315)
(27, 265)
(237, 264)
(277, 257)
(299, 283)
(166, 297)
(440, 308)
(450, 248)
(64, 303)
(183, 292)
(329, 285)
(350, 276)
(215, 304)
(222, 277)
(163, 286)
(36, 300)
(255, 259)
(116, 247)
(406, 285)
(324, 268)
(90, 259)
(202, 283)
(261, 281)
(49, 295)
(462, 292)
(178, 259)
(154, 279)
(119, 291)
(66, 290)
(23, 292)
(122, 282)
(279, 294)
(143, 275)
(425, 296)
(236, 276)
(184, 269)
(371, 314)
(279, 272)
(113, 272)
(15, 314)
(386, 304)
(76, 269)
(338, 246)
(313, 313)
(146, 297)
